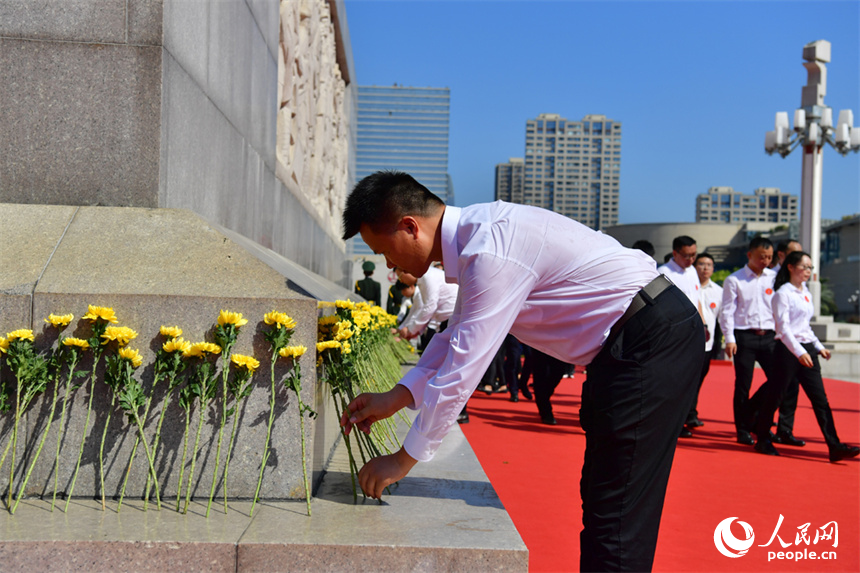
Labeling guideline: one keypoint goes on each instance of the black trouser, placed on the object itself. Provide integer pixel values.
(637, 394)
(547, 374)
(513, 356)
(787, 369)
(495, 370)
(752, 348)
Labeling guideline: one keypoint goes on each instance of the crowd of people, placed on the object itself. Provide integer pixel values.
(571, 295)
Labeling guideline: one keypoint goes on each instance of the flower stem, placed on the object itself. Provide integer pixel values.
(102, 448)
(268, 434)
(14, 440)
(229, 454)
(60, 430)
(84, 432)
(224, 372)
(202, 413)
(184, 454)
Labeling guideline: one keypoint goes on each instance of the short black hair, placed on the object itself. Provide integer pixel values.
(704, 256)
(760, 242)
(679, 243)
(782, 246)
(644, 246)
(383, 198)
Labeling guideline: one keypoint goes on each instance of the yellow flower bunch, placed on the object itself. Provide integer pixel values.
(328, 320)
(171, 331)
(100, 313)
(292, 351)
(201, 348)
(132, 355)
(343, 330)
(347, 304)
(176, 345)
(279, 319)
(363, 306)
(248, 362)
(361, 319)
(345, 348)
(20, 334)
(80, 343)
(325, 345)
(59, 320)
(4, 345)
(122, 334)
(234, 318)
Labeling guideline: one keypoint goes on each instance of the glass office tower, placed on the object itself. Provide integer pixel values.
(404, 129)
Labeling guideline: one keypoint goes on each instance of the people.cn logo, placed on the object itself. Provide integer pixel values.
(727, 543)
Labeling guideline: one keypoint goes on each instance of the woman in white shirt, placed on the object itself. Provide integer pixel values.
(796, 355)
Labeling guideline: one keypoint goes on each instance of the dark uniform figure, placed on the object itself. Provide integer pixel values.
(367, 287)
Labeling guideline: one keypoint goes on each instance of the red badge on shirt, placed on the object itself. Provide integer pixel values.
(769, 291)
(713, 305)
(806, 298)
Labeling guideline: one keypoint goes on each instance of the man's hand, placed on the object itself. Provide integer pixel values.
(731, 349)
(824, 353)
(369, 407)
(379, 473)
(806, 360)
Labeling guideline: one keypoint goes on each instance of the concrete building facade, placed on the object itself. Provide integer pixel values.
(765, 205)
(509, 180)
(574, 167)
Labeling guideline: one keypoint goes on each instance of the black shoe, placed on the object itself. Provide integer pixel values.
(788, 439)
(766, 447)
(843, 451)
(487, 392)
(548, 420)
(514, 398)
(685, 433)
(463, 418)
(745, 438)
(694, 422)
(526, 394)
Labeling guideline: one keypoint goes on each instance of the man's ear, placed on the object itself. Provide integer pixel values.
(409, 224)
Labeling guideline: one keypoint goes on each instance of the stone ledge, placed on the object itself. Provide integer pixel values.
(445, 516)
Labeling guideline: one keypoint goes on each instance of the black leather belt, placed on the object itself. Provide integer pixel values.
(757, 331)
(643, 298)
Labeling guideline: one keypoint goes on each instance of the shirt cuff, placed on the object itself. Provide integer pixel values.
(420, 447)
(415, 381)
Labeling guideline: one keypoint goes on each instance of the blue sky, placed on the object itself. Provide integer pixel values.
(695, 83)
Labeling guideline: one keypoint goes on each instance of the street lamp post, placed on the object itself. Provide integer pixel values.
(813, 127)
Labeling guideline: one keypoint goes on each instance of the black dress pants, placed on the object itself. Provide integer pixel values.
(637, 394)
(787, 369)
(752, 348)
(547, 374)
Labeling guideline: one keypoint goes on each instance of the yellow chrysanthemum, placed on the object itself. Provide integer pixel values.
(361, 319)
(132, 355)
(325, 345)
(325, 304)
(242, 361)
(20, 334)
(100, 313)
(176, 345)
(79, 342)
(279, 319)
(328, 320)
(4, 345)
(347, 304)
(59, 320)
(201, 348)
(343, 330)
(234, 318)
(345, 348)
(122, 334)
(292, 351)
(171, 331)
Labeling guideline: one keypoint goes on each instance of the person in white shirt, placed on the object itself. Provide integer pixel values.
(568, 291)
(796, 357)
(747, 323)
(432, 304)
(710, 302)
(679, 269)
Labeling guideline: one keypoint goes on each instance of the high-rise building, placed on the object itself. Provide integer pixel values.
(766, 204)
(405, 129)
(574, 167)
(509, 180)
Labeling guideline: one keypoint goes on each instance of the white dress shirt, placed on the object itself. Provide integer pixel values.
(685, 279)
(555, 284)
(433, 301)
(792, 310)
(747, 302)
(711, 299)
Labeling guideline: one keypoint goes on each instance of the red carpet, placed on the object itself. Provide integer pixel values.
(536, 468)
